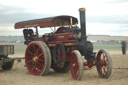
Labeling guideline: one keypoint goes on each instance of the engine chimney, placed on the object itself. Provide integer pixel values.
(83, 23)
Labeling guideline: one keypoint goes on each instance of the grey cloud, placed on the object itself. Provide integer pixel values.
(108, 19)
(11, 15)
(123, 28)
(116, 1)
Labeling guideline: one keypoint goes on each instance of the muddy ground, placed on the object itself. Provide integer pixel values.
(20, 76)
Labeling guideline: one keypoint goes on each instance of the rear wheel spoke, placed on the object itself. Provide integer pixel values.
(41, 60)
(40, 55)
(30, 61)
(33, 46)
(33, 67)
(39, 64)
(37, 50)
(30, 53)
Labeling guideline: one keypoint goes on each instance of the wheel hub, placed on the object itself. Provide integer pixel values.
(73, 65)
(35, 58)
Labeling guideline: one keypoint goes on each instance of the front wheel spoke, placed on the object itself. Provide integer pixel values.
(101, 71)
(104, 70)
(104, 54)
(75, 59)
(76, 65)
(104, 63)
(72, 59)
(99, 58)
(104, 58)
(75, 70)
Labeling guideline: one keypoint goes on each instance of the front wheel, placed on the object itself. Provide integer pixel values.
(104, 64)
(76, 65)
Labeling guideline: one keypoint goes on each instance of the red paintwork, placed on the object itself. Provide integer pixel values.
(63, 37)
(62, 41)
(89, 63)
(70, 35)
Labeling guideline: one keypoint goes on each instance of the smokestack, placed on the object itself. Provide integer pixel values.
(83, 23)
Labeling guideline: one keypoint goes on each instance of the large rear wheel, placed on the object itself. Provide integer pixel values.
(76, 65)
(38, 58)
(104, 64)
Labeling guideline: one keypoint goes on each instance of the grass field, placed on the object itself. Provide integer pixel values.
(20, 48)
(108, 47)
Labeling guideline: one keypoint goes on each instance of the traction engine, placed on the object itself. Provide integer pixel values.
(63, 49)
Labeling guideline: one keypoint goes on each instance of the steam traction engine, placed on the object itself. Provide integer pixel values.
(62, 49)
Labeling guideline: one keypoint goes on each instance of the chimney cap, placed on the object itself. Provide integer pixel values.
(82, 9)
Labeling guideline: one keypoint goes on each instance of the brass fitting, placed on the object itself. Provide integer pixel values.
(82, 9)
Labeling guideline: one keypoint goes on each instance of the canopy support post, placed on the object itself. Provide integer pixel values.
(37, 31)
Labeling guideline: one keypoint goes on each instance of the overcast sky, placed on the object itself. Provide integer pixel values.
(103, 17)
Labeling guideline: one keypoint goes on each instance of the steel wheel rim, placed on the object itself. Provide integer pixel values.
(35, 59)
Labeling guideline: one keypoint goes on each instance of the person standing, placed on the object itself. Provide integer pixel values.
(123, 46)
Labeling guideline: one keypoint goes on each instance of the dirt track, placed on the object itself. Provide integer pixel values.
(20, 76)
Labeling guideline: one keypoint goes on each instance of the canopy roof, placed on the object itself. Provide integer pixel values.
(47, 22)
